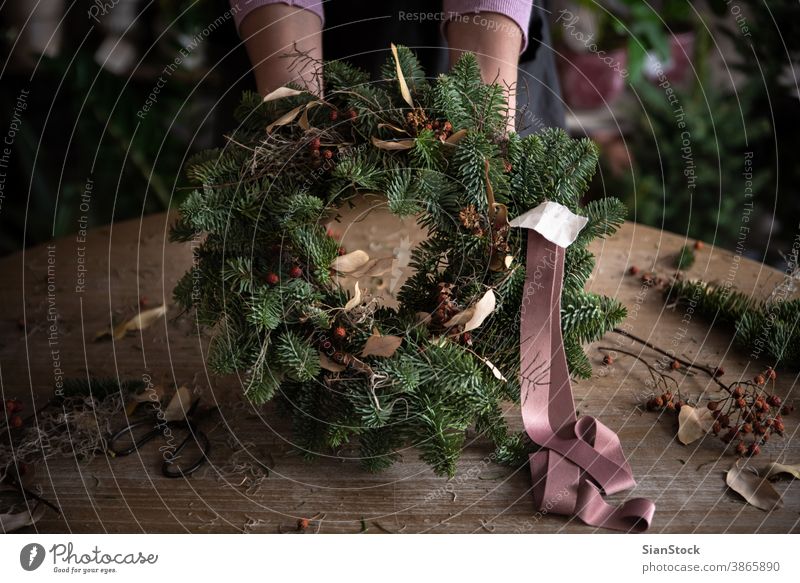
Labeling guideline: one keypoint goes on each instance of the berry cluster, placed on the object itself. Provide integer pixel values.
(419, 121)
(747, 416)
(13, 408)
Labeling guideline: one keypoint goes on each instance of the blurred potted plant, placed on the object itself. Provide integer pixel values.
(607, 44)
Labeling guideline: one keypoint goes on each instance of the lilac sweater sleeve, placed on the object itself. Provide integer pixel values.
(242, 8)
(517, 10)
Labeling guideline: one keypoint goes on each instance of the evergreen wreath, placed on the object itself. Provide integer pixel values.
(266, 271)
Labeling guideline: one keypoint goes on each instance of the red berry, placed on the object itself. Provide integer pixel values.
(633, 270)
(272, 278)
(747, 428)
(738, 392)
(315, 144)
(771, 374)
(295, 271)
(302, 524)
(741, 448)
(334, 115)
(328, 154)
(143, 301)
(712, 405)
(719, 371)
(608, 360)
(342, 251)
(759, 379)
(16, 422)
(340, 332)
(675, 365)
(447, 126)
(754, 449)
(507, 166)
(352, 114)
(741, 403)
(466, 338)
(698, 245)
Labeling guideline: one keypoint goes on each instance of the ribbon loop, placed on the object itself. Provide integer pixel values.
(581, 459)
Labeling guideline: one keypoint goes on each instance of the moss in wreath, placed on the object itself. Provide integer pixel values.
(264, 278)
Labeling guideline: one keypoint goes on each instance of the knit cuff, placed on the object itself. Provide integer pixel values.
(517, 10)
(244, 7)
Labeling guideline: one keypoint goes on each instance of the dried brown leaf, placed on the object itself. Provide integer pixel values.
(756, 490)
(140, 321)
(483, 309)
(693, 423)
(401, 78)
(355, 300)
(303, 122)
(179, 404)
(282, 92)
(456, 137)
(286, 118)
(378, 345)
(375, 267)
(404, 144)
(329, 364)
(775, 469)
(350, 262)
(495, 371)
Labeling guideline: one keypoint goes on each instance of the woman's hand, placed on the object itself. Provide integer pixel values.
(274, 30)
(496, 40)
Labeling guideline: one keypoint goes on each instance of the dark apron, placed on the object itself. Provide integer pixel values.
(360, 31)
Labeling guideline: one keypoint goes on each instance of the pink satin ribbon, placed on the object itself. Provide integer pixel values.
(581, 459)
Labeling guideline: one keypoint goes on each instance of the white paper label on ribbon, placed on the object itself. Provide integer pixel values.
(553, 221)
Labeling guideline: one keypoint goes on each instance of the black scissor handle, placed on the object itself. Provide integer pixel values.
(181, 471)
(135, 443)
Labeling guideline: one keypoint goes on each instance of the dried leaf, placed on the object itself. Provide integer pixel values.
(179, 404)
(495, 371)
(404, 144)
(483, 309)
(456, 137)
(329, 364)
(286, 118)
(393, 128)
(16, 520)
(375, 267)
(355, 300)
(282, 92)
(140, 321)
(756, 490)
(693, 423)
(303, 123)
(378, 345)
(775, 468)
(509, 259)
(350, 262)
(401, 78)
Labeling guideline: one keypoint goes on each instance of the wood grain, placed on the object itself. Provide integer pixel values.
(131, 260)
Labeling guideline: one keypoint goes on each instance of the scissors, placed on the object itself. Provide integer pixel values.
(177, 462)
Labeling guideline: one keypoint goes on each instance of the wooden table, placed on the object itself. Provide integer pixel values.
(127, 261)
